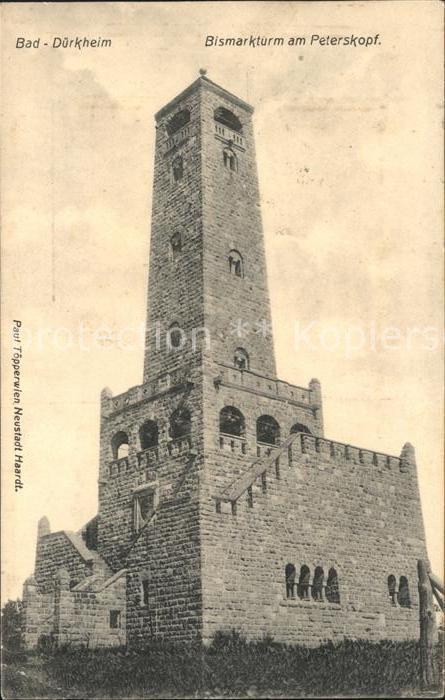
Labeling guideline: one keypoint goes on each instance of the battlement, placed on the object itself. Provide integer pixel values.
(165, 383)
(146, 462)
(228, 375)
(261, 384)
(298, 445)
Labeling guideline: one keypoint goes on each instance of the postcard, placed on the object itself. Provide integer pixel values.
(222, 379)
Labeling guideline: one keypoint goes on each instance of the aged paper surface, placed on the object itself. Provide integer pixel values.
(349, 155)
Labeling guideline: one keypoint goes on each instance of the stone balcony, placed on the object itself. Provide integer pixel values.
(260, 384)
(227, 134)
(149, 459)
(178, 138)
(164, 384)
(233, 443)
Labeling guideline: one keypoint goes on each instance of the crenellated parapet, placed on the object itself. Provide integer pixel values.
(164, 384)
(256, 383)
(302, 446)
(148, 461)
(244, 379)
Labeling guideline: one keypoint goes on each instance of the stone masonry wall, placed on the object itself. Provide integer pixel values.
(75, 617)
(175, 292)
(54, 551)
(89, 616)
(167, 551)
(350, 509)
(159, 468)
(38, 613)
(168, 556)
(237, 309)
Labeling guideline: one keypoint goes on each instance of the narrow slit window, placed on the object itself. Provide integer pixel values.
(145, 594)
(178, 168)
(115, 619)
(392, 589)
(175, 246)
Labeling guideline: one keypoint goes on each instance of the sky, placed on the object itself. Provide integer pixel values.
(348, 143)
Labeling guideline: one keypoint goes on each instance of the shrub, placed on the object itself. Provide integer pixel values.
(11, 623)
(231, 666)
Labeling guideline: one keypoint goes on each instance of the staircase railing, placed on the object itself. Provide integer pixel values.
(257, 468)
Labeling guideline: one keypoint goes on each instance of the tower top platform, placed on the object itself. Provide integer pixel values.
(203, 82)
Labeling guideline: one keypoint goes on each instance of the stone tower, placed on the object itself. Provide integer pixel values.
(209, 362)
(207, 263)
(221, 503)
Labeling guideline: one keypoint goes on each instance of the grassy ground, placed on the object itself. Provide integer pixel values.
(228, 668)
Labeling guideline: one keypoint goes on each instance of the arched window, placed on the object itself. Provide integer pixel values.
(300, 428)
(332, 590)
(267, 430)
(119, 445)
(403, 596)
(177, 168)
(175, 246)
(317, 584)
(289, 573)
(241, 359)
(179, 120)
(180, 423)
(303, 582)
(148, 434)
(230, 160)
(236, 266)
(231, 421)
(175, 337)
(226, 117)
(392, 588)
